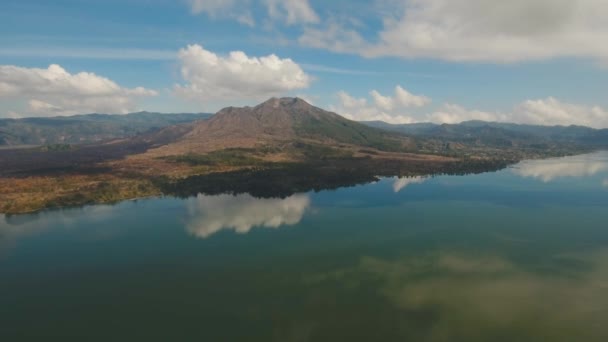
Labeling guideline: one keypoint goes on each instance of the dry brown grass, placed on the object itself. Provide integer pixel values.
(22, 195)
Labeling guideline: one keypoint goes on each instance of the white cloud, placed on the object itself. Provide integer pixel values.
(554, 112)
(233, 9)
(549, 111)
(54, 91)
(292, 11)
(211, 214)
(479, 30)
(452, 114)
(333, 37)
(209, 76)
(384, 108)
(401, 183)
(392, 109)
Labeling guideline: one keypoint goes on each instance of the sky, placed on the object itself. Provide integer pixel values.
(401, 61)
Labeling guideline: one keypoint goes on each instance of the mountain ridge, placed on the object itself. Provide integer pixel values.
(485, 132)
(279, 121)
(87, 128)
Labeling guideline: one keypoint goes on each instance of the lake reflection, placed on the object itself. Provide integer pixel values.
(13, 228)
(208, 215)
(575, 167)
(516, 255)
(401, 183)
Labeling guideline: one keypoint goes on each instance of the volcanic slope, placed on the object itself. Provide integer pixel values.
(277, 123)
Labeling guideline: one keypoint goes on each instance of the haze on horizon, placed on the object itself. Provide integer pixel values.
(444, 61)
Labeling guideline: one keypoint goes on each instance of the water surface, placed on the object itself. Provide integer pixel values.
(516, 255)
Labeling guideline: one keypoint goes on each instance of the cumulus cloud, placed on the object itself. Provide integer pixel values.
(384, 108)
(401, 183)
(553, 111)
(479, 30)
(210, 76)
(452, 114)
(55, 91)
(394, 109)
(549, 111)
(551, 169)
(211, 214)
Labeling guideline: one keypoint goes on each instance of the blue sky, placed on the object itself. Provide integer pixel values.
(532, 61)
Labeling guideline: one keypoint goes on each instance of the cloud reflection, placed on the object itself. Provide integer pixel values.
(211, 214)
(401, 183)
(482, 297)
(550, 169)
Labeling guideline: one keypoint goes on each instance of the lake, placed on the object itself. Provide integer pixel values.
(515, 255)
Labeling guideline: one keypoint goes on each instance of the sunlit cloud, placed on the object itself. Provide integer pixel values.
(379, 107)
(473, 31)
(55, 91)
(210, 76)
(211, 214)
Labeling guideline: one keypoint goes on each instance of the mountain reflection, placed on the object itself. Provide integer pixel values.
(551, 169)
(211, 214)
(401, 183)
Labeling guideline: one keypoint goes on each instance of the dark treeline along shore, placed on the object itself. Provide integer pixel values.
(288, 179)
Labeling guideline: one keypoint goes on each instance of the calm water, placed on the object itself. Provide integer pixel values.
(516, 255)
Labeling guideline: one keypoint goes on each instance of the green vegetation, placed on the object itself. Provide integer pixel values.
(350, 132)
(312, 152)
(227, 157)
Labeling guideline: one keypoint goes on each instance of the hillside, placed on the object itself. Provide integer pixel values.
(86, 129)
(277, 124)
(277, 147)
(503, 135)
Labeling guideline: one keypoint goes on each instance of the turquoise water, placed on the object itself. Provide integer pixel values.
(516, 255)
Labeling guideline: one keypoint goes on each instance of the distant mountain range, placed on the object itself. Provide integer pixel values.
(277, 147)
(501, 135)
(282, 119)
(86, 128)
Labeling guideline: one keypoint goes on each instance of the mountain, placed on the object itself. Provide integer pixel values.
(279, 122)
(495, 134)
(86, 129)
